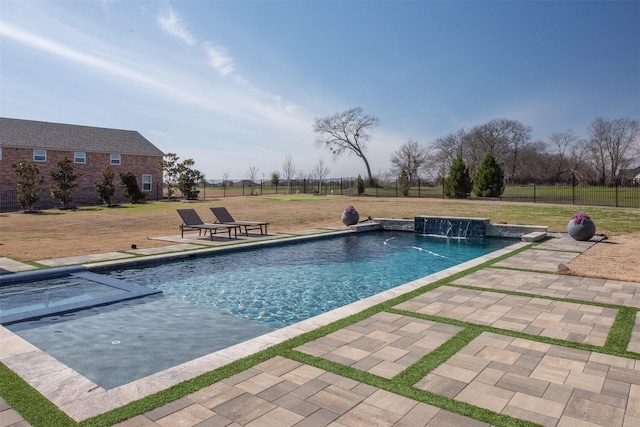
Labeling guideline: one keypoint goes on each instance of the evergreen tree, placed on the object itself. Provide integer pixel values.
(458, 184)
(29, 183)
(489, 178)
(359, 185)
(130, 187)
(404, 183)
(105, 187)
(64, 185)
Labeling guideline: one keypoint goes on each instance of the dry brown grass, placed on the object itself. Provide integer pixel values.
(56, 234)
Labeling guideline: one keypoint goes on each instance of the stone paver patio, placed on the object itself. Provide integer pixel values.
(384, 344)
(535, 316)
(557, 286)
(547, 384)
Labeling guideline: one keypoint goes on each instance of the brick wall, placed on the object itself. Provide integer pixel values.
(91, 170)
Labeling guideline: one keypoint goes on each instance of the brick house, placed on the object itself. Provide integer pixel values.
(90, 148)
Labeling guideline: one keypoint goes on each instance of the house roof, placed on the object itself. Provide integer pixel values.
(57, 136)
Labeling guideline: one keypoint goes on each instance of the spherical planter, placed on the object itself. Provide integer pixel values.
(350, 219)
(583, 231)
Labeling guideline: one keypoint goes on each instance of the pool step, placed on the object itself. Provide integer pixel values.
(534, 236)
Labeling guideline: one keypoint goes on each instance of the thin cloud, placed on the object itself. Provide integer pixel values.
(174, 26)
(218, 58)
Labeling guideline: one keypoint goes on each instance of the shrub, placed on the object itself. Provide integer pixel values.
(64, 185)
(105, 187)
(359, 185)
(130, 188)
(29, 183)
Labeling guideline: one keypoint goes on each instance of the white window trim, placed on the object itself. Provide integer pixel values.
(40, 155)
(150, 183)
(117, 158)
(80, 155)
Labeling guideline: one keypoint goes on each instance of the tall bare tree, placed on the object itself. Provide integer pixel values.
(561, 143)
(321, 171)
(410, 158)
(346, 131)
(504, 138)
(613, 144)
(288, 170)
(252, 173)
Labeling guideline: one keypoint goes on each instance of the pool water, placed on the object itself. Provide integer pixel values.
(31, 296)
(212, 302)
(289, 283)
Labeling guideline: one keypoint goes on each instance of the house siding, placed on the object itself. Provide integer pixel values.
(90, 172)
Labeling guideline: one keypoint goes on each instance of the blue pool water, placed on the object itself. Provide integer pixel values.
(211, 302)
(289, 283)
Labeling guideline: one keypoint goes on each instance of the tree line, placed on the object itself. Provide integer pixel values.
(612, 146)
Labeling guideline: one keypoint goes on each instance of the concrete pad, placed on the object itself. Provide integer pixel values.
(84, 259)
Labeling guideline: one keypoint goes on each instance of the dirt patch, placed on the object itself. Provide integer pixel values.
(616, 258)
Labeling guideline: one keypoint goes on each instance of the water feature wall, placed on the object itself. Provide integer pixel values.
(455, 228)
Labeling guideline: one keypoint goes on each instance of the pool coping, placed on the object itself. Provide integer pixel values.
(81, 399)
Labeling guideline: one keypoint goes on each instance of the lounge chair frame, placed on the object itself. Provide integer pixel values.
(224, 217)
(191, 221)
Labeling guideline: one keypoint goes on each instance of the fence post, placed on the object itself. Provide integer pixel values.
(534, 192)
(617, 192)
(573, 188)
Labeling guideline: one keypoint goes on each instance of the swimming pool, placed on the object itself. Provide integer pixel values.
(211, 302)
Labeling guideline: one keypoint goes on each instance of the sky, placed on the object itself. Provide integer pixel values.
(236, 85)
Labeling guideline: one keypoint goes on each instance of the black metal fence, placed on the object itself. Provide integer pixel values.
(618, 195)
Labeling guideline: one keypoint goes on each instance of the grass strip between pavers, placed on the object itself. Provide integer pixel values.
(38, 411)
(32, 405)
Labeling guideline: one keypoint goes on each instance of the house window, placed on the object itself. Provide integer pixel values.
(80, 157)
(115, 160)
(0, 153)
(146, 182)
(39, 155)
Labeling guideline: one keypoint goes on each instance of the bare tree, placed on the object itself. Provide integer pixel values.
(346, 131)
(410, 158)
(288, 170)
(504, 138)
(252, 173)
(444, 152)
(561, 142)
(613, 144)
(321, 170)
